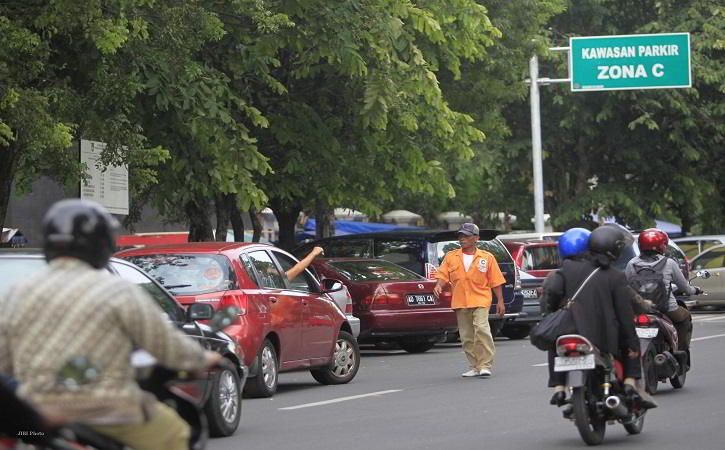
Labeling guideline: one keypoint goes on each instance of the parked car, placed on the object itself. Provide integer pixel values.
(222, 389)
(694, 245)
(422, 251)
(343, 300)
(712, 260)
(283, 325)
(394, 304)
(537, 258)
(552, 236)
(532, 311)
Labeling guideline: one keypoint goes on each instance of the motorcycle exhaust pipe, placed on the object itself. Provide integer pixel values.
(615, 405)
(667, 365)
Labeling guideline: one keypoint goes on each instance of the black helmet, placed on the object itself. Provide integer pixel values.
(609, 241)
(80, 229)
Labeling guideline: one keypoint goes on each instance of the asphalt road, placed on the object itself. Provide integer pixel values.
(401, 401)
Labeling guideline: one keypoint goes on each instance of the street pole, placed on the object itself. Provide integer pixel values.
(536, 155)
(536, 146)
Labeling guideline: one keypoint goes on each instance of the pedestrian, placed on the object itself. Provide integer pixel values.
(473, 274)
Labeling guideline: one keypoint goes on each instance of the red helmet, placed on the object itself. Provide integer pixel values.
(653, 239)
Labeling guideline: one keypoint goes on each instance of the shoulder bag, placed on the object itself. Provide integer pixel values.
(560, 322)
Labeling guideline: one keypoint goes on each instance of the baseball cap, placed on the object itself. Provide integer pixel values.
(469, 229)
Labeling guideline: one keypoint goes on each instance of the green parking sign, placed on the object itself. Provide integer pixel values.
(637, 61)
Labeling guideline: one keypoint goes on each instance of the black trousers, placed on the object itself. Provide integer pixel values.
(632, 369)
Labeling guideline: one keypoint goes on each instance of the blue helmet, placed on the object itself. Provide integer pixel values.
(575, 240)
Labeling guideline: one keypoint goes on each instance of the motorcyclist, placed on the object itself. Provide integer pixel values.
(603, 310)
(653, 246)
(72, 310)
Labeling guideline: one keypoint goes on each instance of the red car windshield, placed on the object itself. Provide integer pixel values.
(378, 270)
(187, 274)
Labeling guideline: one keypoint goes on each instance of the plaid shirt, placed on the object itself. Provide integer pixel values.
(70, 310)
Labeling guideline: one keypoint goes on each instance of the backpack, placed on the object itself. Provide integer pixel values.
(649, 282)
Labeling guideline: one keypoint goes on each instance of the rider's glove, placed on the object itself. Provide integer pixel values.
(698, 290)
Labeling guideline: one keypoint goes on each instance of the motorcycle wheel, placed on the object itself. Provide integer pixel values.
(591, 428)
(650, 370)
(636, 425)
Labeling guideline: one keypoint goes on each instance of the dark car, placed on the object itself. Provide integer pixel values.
(394, 304)
(532, 311)
(422, 251)
(221, 389)
(283, 325)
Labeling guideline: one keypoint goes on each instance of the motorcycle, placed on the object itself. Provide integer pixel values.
(177, 389)
(658, 342)
(595, 383)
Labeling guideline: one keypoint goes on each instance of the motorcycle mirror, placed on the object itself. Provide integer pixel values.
(77, 372)
(224, 317)
(704, 274)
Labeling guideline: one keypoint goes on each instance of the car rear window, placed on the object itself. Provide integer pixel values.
(188, 274)
(378, 270)
(493, 246)
(13, 270)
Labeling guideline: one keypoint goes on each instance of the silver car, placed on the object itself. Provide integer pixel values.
(712, 260)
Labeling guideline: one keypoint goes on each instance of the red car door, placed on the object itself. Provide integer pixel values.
(286, 310)
(321, 316)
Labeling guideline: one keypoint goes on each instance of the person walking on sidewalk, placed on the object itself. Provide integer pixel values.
(473, 274)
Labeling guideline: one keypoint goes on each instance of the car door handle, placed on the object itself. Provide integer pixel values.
(273, 299)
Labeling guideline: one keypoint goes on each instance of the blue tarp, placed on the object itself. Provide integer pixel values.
(343, 227)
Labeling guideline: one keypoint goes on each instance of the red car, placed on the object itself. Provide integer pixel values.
(394, 304)
(283, 324)
(537, 258)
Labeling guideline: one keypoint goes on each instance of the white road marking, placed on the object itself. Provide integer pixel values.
(708, 337)
(541, 365)
(709, 319)
(341, 399)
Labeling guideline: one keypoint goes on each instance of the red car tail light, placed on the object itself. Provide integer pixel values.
(348, 305)
(573, 344)
(382, 299)
(445, 297)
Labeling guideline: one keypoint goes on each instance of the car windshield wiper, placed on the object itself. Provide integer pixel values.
(175, 286)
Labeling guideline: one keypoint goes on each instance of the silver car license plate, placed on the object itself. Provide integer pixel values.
(421, 299)
(567, 363)
(647, 333)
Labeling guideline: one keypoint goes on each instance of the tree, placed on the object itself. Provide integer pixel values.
(641, 155)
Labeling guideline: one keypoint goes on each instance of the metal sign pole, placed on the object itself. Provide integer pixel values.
(536, 152)
(536, 145)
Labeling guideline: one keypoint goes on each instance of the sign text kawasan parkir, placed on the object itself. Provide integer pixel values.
(638, 61)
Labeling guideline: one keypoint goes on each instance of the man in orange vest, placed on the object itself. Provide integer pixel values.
(472, 274)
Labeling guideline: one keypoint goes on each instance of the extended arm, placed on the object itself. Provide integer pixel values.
(300, 267)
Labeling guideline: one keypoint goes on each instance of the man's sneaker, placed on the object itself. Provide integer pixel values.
(484, 373)
(470, 373)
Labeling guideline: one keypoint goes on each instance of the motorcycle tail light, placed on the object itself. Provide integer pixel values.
(643, 320)
(570, 345)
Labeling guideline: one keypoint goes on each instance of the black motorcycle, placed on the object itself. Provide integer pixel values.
(177, 389)
(594, 381)
(658, 342)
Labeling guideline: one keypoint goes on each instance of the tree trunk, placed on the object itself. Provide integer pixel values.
(8, 160)
(235, 217)
(222, 217)
(256, 225)
(199, 224)
(287, 219)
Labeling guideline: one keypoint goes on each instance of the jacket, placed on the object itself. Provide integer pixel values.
(671, 273)
(471, 288)
(603, 310)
